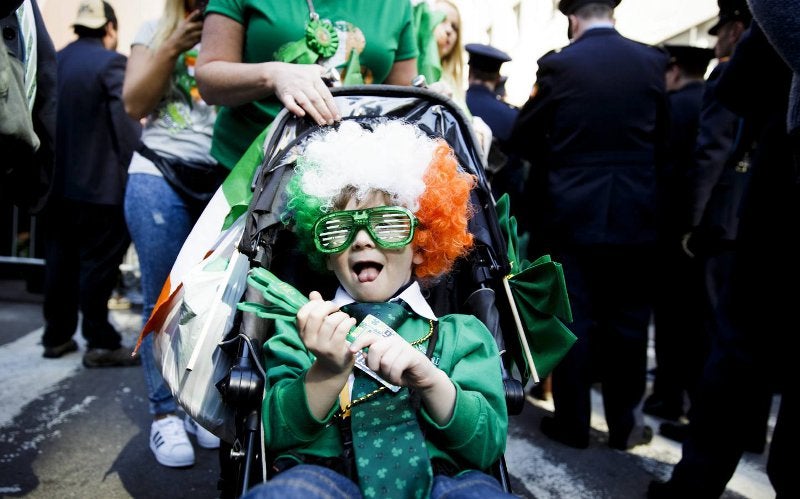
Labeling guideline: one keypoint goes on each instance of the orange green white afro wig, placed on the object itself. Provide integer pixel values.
(395, 158)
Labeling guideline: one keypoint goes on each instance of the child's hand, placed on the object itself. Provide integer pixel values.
(323, 329)
(400, 363)
(397, 361)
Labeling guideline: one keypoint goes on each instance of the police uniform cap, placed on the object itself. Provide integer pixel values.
(567, 7)
(693, 59)
(485, 57)
(729, 11)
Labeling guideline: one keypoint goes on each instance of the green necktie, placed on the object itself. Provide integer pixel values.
(391, 456)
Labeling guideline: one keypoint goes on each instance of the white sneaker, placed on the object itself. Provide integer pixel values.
(205, 438)
(170, 444)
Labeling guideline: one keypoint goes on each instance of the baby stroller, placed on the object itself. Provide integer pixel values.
(471, 288)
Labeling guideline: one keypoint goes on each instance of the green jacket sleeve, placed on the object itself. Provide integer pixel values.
(288, 422)
(476, 434)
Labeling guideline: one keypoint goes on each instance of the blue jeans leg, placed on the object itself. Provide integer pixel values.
(468, 485)
(159, 224)
(306, 481)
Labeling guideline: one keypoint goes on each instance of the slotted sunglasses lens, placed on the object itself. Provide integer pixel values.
(390, 226)
(333, 232)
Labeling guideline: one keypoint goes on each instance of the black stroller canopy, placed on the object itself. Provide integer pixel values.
(434, 114)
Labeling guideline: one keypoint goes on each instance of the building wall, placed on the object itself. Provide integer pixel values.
(526, 29)
(59, 15)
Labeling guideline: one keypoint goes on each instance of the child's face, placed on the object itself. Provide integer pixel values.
(446, 32)
(367, 271)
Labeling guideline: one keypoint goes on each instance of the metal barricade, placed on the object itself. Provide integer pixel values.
(21, 246)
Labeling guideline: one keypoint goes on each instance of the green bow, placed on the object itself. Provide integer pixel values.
(539, 292)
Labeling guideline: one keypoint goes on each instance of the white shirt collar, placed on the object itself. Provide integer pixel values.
(599, 24)
(411, 295)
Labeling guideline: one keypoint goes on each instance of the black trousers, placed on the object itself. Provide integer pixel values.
(610, 291)
(84, 246)
(680, 318)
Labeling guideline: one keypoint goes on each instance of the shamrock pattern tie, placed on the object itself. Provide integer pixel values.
(391, 456)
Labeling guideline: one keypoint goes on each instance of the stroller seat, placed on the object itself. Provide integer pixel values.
(471, 288)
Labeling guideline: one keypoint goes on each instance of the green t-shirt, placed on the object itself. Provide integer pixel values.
(475, 436)
(381, 32)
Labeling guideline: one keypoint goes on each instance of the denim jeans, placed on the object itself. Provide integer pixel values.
(308, 481)
(159, 223)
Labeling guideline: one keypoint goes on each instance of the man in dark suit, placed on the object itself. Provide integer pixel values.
(594, 130)
(86, 235)
(750, 355)
(716, 182)
(505, 169)
(680, 338)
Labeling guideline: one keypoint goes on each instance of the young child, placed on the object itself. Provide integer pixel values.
(383, 222)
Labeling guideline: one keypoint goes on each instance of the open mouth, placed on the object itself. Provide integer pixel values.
(367, 271)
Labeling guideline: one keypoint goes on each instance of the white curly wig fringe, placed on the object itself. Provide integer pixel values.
(392, 158)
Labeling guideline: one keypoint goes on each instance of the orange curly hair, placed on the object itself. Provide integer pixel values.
(444, 210)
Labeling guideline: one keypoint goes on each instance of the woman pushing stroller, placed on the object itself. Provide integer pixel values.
(425, 415)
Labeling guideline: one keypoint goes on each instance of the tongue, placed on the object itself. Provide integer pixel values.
(368, 274)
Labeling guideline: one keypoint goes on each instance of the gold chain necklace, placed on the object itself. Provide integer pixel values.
(341, 412)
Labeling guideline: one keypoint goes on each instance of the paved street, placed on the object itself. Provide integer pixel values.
(67, 431)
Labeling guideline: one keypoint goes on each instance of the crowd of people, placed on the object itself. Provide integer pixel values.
(668, 196)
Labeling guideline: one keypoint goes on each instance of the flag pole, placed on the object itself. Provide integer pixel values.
(523, 338)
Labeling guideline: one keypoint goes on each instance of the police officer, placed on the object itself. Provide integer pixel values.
(506, 171)
(680, 339)
(593, 130)
(482, 100)
(749, 358)
(717, 181)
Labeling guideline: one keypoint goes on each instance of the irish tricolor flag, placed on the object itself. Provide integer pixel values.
(222, 216)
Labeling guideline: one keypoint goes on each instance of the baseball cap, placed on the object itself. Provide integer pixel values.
(91, 14)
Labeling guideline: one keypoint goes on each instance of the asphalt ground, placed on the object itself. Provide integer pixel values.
(68, 431)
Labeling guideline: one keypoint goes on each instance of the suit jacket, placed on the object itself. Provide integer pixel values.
(593, 131)
(499, 115)
(718, 136)
(95, 137)
(685, 106)
(756, 85)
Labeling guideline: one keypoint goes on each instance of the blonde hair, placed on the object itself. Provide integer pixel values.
(174, 13)
(453, 63)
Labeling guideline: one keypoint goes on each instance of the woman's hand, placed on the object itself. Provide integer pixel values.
(301, 89)
(149, 71)
(187, 33)
(225, 80)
